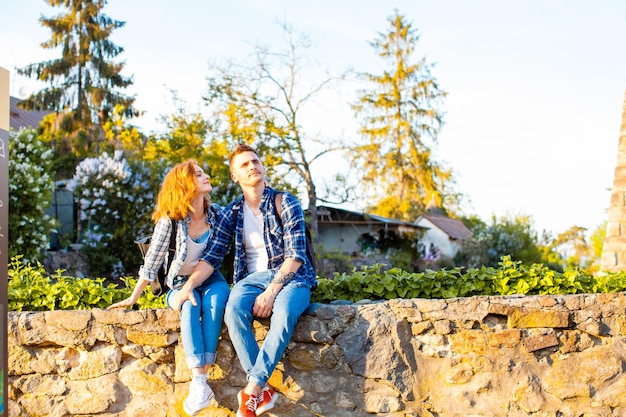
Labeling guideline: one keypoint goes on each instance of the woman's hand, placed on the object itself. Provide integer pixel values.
(137, 291)
(181, 296)
(129, 302)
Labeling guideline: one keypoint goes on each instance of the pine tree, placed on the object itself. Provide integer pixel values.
(83, 82)
(399, 122)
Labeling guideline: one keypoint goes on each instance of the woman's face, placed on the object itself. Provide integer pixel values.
(204, 181)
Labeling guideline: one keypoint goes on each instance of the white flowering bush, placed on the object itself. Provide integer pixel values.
(114, 200)
(30, 194)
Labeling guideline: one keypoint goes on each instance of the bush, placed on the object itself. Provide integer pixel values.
(30, 195)
(115, 201)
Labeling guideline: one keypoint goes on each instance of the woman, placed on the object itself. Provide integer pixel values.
(184, 197)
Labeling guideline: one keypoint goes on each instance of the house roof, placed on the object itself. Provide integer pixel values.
(454, 228)
(20, 118)
(332, 215)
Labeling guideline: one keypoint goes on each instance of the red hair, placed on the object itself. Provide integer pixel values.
(178, 189)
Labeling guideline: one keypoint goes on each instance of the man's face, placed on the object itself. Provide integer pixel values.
(247, 169)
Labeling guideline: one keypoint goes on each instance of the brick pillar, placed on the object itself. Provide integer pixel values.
(614, 250)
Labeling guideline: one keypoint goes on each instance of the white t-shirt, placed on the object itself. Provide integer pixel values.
(253, 242)
(194, 253)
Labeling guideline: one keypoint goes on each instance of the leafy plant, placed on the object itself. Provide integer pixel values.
(511, 277)
(31, 289)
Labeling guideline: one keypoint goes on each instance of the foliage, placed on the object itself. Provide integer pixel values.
(400, 249)
(509, 278)
(118, 135)
(333, 260)
(261, 104)
(399, 122)
(115, 201)
(505, 236)
(30, 194)
(31, 289)
(573, 247)
(83, 82)
(190, 136)
(596, 241)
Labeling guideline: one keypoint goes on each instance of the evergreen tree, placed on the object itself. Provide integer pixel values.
(83, 82)
(399, 122)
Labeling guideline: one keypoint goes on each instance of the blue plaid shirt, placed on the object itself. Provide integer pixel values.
(160, 243)
(286, 241)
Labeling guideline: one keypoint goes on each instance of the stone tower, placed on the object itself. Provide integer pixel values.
(614, 250)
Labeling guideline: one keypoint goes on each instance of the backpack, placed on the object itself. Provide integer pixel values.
(158, 286)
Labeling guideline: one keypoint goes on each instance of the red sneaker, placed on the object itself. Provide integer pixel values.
(266, 400)
(247, 405)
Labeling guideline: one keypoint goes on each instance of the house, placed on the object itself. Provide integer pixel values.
(20, 118)
(445, 235)
(340, 229)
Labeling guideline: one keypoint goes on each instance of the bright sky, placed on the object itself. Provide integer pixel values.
(535, 87)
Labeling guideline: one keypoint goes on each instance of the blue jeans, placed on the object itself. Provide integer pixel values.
(201, 325)
(290, 303)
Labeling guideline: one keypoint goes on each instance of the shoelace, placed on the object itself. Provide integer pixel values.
(199, 394)
(251, 403)
(264, 392)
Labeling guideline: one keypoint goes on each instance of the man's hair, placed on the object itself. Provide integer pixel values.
(241, 148)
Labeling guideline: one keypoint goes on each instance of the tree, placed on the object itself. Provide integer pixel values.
(190, 136)
(399, 122)
(573, 247)
(83, 82)
(262, 104)
(596, 241)
(513, 236)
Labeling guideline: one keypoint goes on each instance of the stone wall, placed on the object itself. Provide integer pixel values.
(482, 356)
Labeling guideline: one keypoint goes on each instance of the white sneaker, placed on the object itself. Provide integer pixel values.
(200, 395)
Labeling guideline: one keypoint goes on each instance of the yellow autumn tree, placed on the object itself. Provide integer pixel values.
(399, 121)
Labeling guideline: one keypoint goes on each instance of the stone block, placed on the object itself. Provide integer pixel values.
(535, 343)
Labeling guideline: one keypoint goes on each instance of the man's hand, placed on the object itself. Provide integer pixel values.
(264, 303)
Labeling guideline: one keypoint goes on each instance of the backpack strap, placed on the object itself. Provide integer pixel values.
(172, 247)
(278, 199)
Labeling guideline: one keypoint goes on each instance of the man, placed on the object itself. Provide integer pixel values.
(272, 274)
